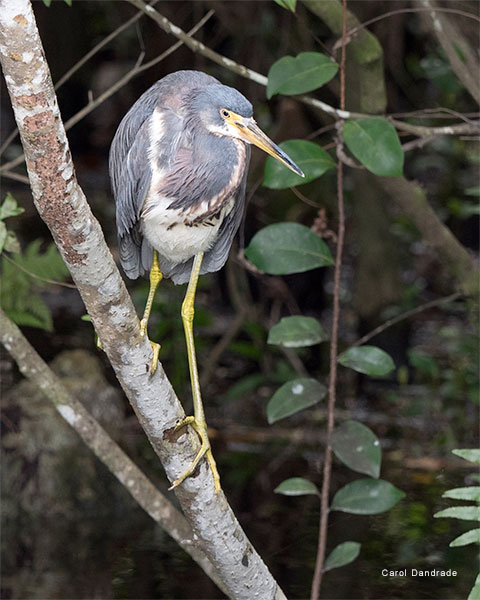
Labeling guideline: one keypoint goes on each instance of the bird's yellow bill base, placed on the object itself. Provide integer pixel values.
(205, 450)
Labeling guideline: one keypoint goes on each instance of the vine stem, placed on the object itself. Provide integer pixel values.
(332, 384)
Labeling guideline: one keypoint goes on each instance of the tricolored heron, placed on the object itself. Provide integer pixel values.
(178, 165)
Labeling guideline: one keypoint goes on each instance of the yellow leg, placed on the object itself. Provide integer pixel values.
(198, 420)
(155, 279)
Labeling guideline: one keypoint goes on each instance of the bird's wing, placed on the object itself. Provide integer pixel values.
(217, 256)
(131, 174)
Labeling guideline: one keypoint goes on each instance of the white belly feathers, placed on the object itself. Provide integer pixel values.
(175, 237)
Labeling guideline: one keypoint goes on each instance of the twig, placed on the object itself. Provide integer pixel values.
(405, 315)
(461, 56)
(44, 279)
(351, 33)
(421, 130)
(99, 46)
(221, 346)
(101, 444)
(137, 69)
(304, 198)
(332, 383)
(16, 177)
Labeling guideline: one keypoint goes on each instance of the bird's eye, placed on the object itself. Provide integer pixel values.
(224, 112)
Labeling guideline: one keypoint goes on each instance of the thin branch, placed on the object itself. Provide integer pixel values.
(418, 143)
(406, 315)
(101, 444)
(16, 177)
(332, 383)
(220, 347)
(35, 276)
(465, 65)
(99, 46)
(421, 130)
(351, 33)
(13, 134)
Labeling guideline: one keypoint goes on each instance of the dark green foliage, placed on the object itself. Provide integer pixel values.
(358, 448)
(21, 283)
(465, 513)
(285, 248)
(366, 497)
(375, 143)
(287, 4)
(300, 74)
(342, 555)
(311, 158)
(367, 359)
(297, 486)
(294, 396)
(297, 332)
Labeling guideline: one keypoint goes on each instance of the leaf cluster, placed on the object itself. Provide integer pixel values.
(22, 278)
(466, 513)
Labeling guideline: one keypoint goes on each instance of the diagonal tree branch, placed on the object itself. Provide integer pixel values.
(466, 66)
(97, 439)
(62, 205)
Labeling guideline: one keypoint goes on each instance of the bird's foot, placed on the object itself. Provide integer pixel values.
(155, 346)
(205, 450)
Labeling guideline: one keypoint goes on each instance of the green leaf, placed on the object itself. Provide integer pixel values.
(284, 248)
(47, 3)
(367, 359)
(297, 486)
(311, 158)
(18, 287)
(367, 497)
(304, 73)
(469, 537)
(423, 362)
(297, 332)
(3, 235)
(471, 454)
(465, 513)
(288, 4)
(10, 208)
(475, 591)
(342, 555)
(11, 243)
(68, 2)
(473, 191)
(357, 447)
(293, 397)
(375, 143)
(466, 493)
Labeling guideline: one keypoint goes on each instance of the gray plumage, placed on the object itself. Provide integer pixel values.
(175, 178)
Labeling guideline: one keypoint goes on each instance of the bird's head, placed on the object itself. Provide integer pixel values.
(224, 111)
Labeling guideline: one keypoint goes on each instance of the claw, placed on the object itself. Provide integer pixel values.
(205, 450)
(156, 349)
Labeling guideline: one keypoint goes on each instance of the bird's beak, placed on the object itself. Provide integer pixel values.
(251, 133)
